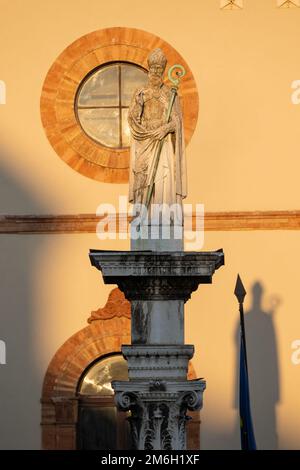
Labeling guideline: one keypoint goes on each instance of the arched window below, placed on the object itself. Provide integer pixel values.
(100, 425)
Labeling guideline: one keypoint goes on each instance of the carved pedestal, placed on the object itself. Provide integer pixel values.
(158, 393)
(158, 411)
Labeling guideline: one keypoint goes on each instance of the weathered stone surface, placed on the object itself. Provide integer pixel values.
(157, 322)
(165, 362)
(158, 410)
(156, 237)
(158, 393)
(148, 275)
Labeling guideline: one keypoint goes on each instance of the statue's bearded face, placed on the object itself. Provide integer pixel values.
(155, 75)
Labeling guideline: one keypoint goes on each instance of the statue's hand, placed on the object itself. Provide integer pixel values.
(164, 130)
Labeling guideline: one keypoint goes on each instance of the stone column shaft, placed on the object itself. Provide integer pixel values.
(158, 393)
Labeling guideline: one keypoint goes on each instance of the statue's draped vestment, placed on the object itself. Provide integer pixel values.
(147, 113)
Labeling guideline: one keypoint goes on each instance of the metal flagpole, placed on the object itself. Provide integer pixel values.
(247, 431)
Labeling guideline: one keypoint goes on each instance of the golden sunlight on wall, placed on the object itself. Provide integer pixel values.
(268, 265)
(244, 153)
(69, 288)
(49, 290)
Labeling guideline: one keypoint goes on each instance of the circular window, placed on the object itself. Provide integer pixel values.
(85, 98)
(103, 100)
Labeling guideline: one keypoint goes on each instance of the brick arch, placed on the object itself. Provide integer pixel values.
(78, 352)
(101, 337)
(108, 329)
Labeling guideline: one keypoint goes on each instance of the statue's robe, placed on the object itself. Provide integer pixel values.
(146, 114)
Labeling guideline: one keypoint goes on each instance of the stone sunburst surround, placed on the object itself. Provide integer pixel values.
(63, 80)
(158, 393)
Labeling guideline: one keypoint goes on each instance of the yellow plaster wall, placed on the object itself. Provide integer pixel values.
(244, 156)
(244, 153)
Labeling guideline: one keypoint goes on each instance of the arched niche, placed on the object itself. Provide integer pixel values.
(108, 329)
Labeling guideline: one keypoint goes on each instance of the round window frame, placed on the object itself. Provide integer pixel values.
(89, 52)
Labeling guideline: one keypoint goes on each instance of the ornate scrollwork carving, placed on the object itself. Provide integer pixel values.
(193, 400)
(126, 400)
(158, 416)
(171, 288)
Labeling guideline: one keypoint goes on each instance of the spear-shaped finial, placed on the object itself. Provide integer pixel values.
(239, 291)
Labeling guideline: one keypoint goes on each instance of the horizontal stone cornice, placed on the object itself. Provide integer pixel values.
(87, 223)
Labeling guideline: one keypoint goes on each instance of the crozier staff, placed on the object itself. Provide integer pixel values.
(155, 134)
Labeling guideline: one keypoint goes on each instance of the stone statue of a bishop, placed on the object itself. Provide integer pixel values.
(152, 180)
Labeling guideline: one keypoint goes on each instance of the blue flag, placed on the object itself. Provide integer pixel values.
(247, 432)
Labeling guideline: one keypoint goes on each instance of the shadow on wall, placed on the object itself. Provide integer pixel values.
(20, 384)
(263, 368)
